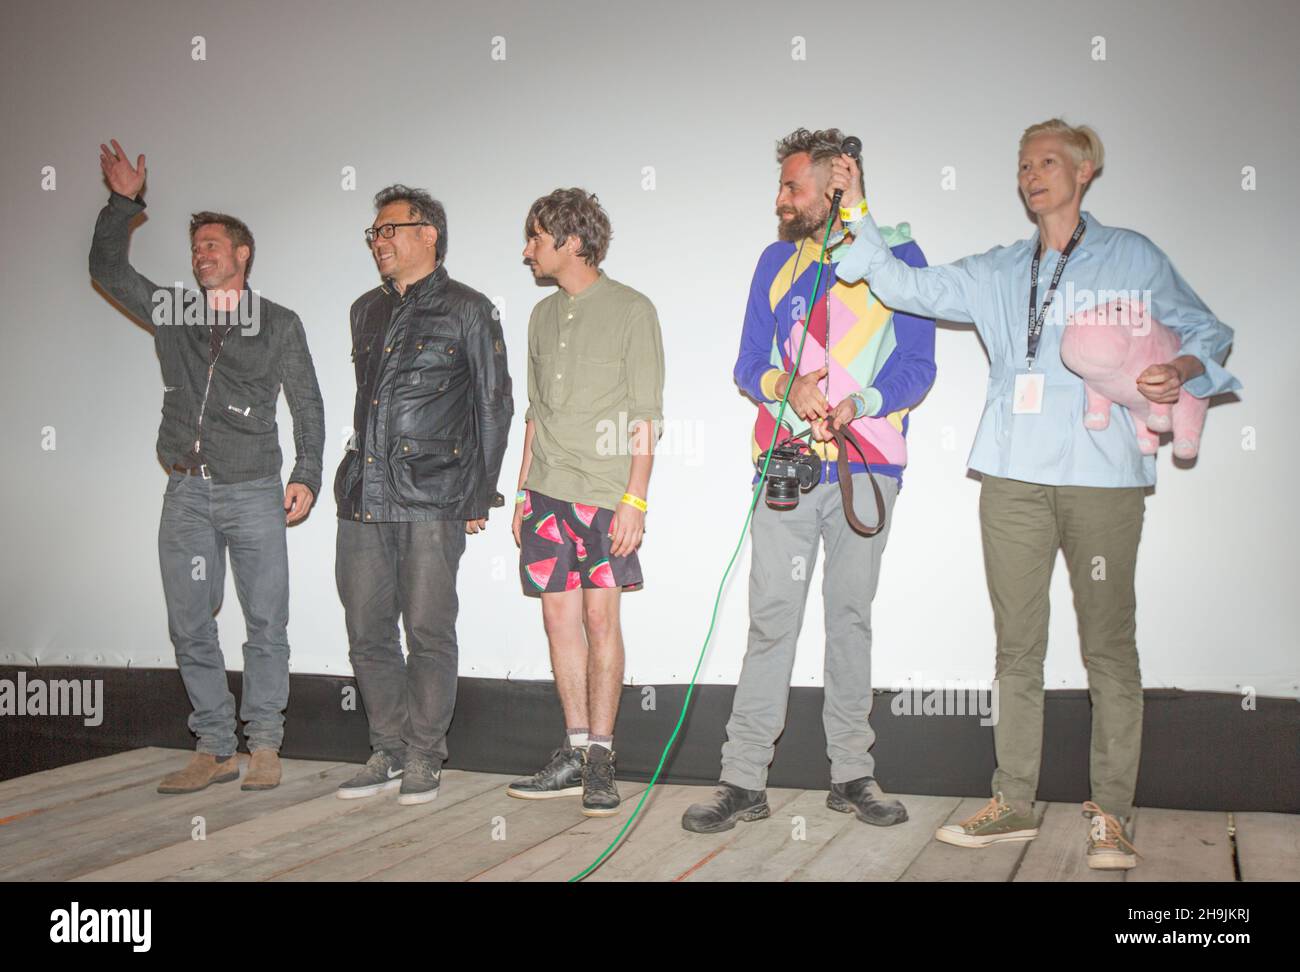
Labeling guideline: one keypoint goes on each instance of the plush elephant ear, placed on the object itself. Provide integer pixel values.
(896, 235)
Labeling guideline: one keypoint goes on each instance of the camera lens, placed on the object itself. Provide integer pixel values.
(783, 493)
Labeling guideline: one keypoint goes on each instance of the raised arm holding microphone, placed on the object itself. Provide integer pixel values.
(861, 363)
(1049, 482)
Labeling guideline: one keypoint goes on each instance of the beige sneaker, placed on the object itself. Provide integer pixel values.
(200, 772)
(263, 770)
(1108, 845)
(996, 822)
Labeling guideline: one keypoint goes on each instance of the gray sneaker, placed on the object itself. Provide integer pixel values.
(419, 781)
(562, 776)
(599, 794)
(383, 771)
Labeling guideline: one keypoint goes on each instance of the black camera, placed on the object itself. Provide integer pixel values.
(790, 471)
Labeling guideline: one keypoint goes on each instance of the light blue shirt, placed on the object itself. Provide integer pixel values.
(991, 290)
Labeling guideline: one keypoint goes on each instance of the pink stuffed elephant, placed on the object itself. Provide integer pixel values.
(1108, 347)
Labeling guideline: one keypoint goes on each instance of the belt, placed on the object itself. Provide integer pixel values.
(193, 470)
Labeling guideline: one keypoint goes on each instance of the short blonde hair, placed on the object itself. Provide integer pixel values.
(1084, 143)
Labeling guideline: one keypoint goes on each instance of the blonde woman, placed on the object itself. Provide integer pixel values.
(1047, 481)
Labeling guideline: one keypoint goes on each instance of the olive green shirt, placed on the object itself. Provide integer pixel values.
(595, 366)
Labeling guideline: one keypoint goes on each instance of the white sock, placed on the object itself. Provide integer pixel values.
(577, 738)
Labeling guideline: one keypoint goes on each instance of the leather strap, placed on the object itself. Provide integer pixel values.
(846, 483)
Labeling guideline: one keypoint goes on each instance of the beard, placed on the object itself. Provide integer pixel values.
(805, 224)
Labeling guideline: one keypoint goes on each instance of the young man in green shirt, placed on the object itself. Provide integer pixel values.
(595, 405)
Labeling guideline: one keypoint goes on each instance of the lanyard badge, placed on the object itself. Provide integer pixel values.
(1027, 396)
(1036, 319)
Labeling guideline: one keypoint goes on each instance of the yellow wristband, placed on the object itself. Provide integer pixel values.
(636, 501)
(852, 214)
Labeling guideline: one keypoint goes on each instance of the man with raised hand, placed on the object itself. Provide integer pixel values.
(225, 354)
(863, 367)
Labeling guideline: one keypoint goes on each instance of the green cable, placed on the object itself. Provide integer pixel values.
(690, 690)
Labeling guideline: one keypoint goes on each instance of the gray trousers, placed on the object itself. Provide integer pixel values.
(784, 551)
(408, 570)
(201, 520)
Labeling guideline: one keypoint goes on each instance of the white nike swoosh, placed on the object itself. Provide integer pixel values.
(394, 774)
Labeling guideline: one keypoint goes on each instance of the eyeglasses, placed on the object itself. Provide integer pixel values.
(387, 231)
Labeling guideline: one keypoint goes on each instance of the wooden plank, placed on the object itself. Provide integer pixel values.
(349, 823)
(651, 849)
(656, 848)
(866, 853)
(1268, 846)
(43, 832)
(491, 831)
(944, 862)
(1060, 851)
(1182, 845)
(129, 823)
(75, 781)
(252, 840)
(81, 772)
(300, 831)
(75, 840)
(71, 822)
(773, 849)
(570, 850)
(71, 792)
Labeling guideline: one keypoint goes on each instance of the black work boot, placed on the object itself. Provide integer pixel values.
(729, 804)
(864, 798)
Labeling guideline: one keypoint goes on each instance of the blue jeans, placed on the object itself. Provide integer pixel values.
(201, 520)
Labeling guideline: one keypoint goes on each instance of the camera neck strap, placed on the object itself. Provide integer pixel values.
(843, 436)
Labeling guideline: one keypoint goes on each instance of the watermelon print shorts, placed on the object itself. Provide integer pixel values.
(565, 546)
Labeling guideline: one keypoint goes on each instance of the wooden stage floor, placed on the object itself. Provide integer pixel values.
(102, 820)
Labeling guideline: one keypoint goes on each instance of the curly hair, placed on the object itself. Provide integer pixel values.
(821, 146)
(572, 212)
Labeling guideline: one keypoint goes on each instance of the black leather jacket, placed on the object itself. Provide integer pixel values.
(433, 405)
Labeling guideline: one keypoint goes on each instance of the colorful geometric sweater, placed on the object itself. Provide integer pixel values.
(871, 347)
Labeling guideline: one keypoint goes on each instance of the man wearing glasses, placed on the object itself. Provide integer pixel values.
(432, 413)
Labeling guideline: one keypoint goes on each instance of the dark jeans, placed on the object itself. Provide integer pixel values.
(409, 569)
(201, 520)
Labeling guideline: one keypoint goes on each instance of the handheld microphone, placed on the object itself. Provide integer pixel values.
(851, 146)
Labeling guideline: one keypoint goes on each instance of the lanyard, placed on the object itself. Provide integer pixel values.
(1036, 320)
